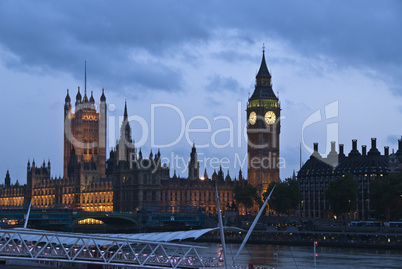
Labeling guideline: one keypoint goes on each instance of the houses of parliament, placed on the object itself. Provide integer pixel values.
(126, 180)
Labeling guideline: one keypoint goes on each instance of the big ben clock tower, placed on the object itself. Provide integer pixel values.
(263, 128)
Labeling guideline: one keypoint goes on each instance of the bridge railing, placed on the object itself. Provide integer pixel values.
(36, 245)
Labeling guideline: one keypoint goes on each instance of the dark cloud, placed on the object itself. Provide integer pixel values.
(60, 35)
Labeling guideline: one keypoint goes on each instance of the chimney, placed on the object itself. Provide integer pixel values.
(373, 143)
(374, 150)
(386, 151)
(364, 150)
(315, 147)
(399, 151)
(341, 149)
(354, 152)
(315, 153)
(354, 144)
(332, 145)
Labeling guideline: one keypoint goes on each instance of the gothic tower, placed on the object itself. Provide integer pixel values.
(263, 128)
(85, 135)
(193, 165)
(125, 148)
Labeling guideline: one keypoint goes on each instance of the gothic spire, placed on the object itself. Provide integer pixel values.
(85, 76)
(68, 99)
(103, 97)
(78, 96)
(85, 98)
(92, 100)
(125, 111)
(263, 86)
(263, 72)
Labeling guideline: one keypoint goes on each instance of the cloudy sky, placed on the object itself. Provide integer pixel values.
(185, 65)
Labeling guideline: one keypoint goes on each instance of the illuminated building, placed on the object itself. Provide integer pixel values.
(129, 182)
(12, 195)
(263, 129)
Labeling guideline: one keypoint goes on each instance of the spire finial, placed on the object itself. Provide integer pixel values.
(263, 48)
(85, 75)
(103, 97)
(125, 110)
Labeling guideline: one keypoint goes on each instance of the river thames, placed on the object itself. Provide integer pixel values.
(297, 256)
(303, 256)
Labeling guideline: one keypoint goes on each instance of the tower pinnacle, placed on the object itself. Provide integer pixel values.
(263, 87)
(103, 97)
(263, 72)
(85, 76)
(125, 111)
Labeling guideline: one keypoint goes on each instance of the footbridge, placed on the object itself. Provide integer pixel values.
(113, 250)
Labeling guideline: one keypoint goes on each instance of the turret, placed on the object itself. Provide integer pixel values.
(67, 104)
(103, 97)
(85, 98)
(193, 165)
(7, 180)
(78, 97)
(214, 176)
(228, 178)
(241, 180)
(67, 100)
(102, 132)
(205, 174)
(92, 100)
(220, 174)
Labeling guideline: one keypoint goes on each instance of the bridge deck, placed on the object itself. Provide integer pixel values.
(37, 245)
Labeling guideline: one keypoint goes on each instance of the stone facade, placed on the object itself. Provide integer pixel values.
(315, 175)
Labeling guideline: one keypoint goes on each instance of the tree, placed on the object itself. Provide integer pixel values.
(246, 195)
(342, 194)
(285, 197)
(385, 197)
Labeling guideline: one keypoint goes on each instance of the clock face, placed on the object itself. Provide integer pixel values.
(253, 118)
(270, 117)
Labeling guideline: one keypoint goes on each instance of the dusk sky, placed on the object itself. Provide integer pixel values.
(192, 64)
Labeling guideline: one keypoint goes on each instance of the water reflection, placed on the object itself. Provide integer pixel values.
(303, 257)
